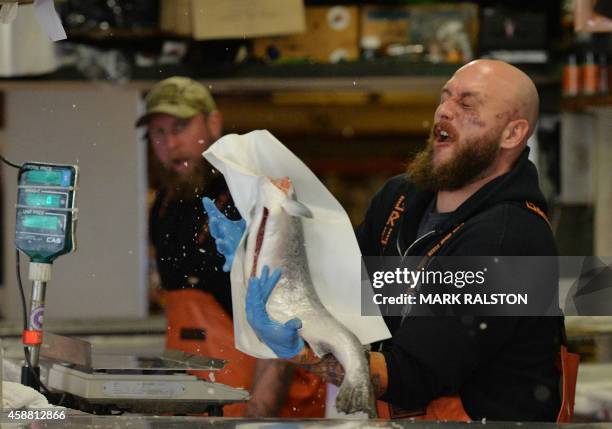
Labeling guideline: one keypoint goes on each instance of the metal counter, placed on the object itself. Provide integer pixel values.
(80, 421)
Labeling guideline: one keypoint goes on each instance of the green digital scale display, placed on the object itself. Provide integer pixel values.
(46, 213)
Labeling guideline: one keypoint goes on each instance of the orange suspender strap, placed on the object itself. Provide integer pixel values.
(567, 362)
(534, 208)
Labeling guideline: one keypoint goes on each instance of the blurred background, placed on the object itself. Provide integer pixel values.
(349, 86)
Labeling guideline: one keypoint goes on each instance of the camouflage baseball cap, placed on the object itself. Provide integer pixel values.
(177, 96)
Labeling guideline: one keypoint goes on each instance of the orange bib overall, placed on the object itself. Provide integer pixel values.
(198, 324)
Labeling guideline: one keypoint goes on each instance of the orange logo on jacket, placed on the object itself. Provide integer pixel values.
(534, 208)
(396, 213)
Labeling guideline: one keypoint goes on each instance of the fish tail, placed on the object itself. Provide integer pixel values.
(355, 396)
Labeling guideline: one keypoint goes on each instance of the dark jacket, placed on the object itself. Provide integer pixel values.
(503, 368)
(185, 252)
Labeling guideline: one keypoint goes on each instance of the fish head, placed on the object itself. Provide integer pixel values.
(279, 194)
(274, 224)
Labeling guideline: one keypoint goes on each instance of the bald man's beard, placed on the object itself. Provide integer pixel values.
(467, 165)
(189, 186)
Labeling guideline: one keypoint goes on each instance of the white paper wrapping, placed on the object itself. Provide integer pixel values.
(333, 253)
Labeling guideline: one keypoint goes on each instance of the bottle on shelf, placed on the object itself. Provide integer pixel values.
(604, 83)
(590, 74)
(571, 77)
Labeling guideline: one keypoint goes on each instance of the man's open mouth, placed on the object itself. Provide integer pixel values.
(180, 164)
(444, 133)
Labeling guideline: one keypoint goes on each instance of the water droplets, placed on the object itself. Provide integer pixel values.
(483, 326)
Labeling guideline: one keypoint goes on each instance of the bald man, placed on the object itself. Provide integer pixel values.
(471, 192)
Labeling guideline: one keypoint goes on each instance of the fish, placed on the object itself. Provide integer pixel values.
(275, 237)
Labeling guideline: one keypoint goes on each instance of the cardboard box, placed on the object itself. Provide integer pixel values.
(387, 24)
(448, 31)
(175, 17)
(332, 35)
(213, 19)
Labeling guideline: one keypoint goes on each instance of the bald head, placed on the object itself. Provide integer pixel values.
(516, 91)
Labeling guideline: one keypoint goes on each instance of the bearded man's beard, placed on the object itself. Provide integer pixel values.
(471, 159)
(189, 186)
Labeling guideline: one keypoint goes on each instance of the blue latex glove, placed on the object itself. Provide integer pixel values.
(283, 339)
(227, 233)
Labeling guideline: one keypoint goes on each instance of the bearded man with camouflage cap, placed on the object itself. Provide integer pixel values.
(182, 121)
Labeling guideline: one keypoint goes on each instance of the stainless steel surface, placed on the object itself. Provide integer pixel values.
(133, 422)
(74, 351)
(193, 361)
(37, 301)
(138, 364)
(66, 349)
